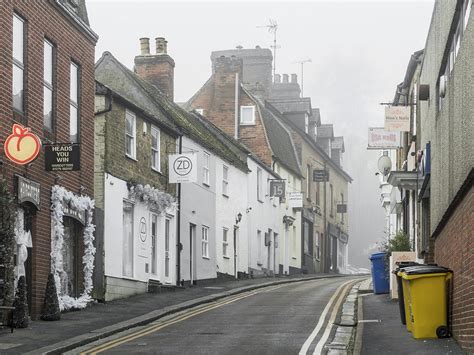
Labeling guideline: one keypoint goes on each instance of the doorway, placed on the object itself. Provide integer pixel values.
(192, 254)
(236, 233)
(69, 277)
(167, 250)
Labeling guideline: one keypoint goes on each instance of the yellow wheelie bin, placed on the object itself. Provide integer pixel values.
(406, 294)
(427, 300)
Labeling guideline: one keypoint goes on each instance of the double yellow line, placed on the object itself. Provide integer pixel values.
(179, 318)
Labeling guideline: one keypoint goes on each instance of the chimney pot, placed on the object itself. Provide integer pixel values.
(285, 78)
(277, 78)
(144, 46)
(257, 47)
(294, 78)
(160, 45)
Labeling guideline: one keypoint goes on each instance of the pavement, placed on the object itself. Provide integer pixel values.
(104, 319)
(381, 331)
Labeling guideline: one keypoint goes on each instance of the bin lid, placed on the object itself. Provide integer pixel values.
(377, 256)
(424, 269)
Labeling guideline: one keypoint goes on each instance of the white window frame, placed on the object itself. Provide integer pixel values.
(225, 242)
(259, 184)
(306, 123)
(206, 163)
(74, 122)
(205, 242)
(244, 123)
(19, 59)
(225, 180)
(156, 150)
(132, 136)
(48, 83)
(200, 111)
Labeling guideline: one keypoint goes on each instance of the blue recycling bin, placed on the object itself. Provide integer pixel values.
(379, 273)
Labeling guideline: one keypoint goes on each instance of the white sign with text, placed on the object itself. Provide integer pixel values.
(182, 168)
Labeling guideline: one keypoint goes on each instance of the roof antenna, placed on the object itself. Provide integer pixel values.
(272, 28)
(303, 62)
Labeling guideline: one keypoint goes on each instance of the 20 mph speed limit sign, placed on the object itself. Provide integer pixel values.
(182, 168)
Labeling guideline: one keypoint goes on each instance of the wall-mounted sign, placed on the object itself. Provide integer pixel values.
(277, 188)
(320, 175)
(22, 146)
(73, 212)
(62, 157)
(143, 229)
(397, 118)
(28, 191)
(295, 200)
(182, 168)
(341, 208)
(381, 139)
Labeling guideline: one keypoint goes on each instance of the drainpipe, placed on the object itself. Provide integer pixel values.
(178, 234)
(236, 130)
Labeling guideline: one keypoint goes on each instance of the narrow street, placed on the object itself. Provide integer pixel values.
(273, 320)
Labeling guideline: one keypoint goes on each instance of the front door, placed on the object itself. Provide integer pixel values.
(192, 253)
(167, 250)
(69, 275)
(236, 231)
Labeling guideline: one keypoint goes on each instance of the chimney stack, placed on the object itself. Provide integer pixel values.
(157, 69)
(277, 78)
(285, 78)
(294, 78)
(144, 46)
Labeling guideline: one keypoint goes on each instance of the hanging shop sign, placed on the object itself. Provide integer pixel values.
(28, 191)
(22, 146)
(62, 157)
(295, 200)
(397, 118)
(182, 168)
(320, 175)
(277, 188)
(381, 139)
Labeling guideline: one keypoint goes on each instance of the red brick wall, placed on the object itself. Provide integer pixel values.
(454, 248)
(158, 70)
(44, 19)
(217, 99)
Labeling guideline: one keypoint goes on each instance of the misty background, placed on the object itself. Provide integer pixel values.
(359, 52)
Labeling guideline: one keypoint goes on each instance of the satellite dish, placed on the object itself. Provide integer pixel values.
(384, 165)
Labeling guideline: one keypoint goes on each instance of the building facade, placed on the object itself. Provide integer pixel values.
(47, 86)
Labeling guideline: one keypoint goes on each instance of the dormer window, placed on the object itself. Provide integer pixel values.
(247, 115)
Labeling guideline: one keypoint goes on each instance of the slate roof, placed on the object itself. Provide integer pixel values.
(125, 83)
(325, 131)
(292, 105)
(76, 10)
(316, 116)
(278, 136)
(78, 7)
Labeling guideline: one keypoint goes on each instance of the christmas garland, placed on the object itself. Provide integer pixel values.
(156, 200)
(59, 196)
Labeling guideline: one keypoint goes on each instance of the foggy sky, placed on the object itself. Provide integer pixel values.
(359, 52)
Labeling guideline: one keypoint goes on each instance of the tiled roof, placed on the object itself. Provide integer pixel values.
(118, 78)
(292, 105)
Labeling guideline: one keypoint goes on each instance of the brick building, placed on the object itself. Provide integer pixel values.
(47, 85)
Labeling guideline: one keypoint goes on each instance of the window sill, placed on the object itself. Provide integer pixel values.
(206, 184)
(247, 124)
(226, 257)
(157, 171)
(261, 201)
(225, 195)
(130, 157)
(294, 257)
(206, 257)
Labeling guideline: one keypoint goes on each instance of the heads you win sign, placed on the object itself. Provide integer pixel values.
(62, 157)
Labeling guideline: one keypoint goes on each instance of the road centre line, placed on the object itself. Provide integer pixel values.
(158, 326)
(319, 347)
(322, 318)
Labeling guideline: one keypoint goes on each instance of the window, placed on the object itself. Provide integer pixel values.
(247, 115)
(130, 131)
(205, 168)
(18, 63)
(306, 123)
(308, 183)
(331, 196)
(259, 250)
(342, 214)
(154, 231)
(205, 242)
(200, 111)
(259, 185)
(225, 180)
(74, 104)
(127, 241)
(48, 87)
(317, 251)
(155, 149)
(167, 247)
(225, 243)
